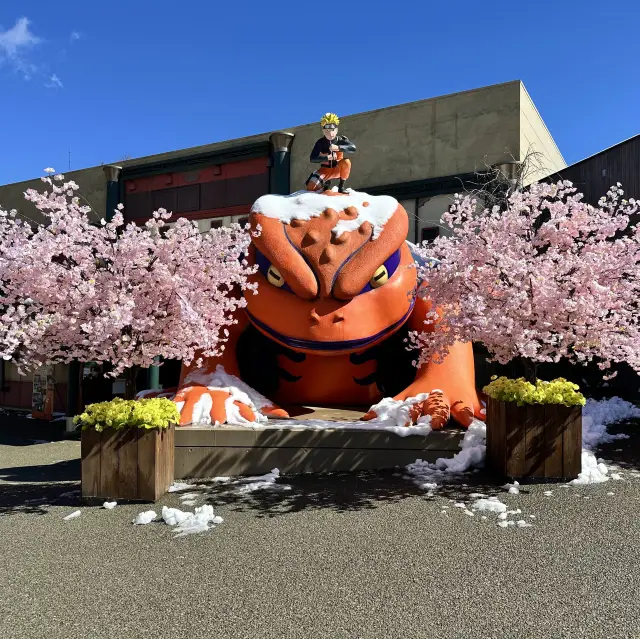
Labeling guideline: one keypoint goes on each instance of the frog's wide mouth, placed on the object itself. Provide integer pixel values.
(327, 346)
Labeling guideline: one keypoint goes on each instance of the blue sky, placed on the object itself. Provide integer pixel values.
(108, 80)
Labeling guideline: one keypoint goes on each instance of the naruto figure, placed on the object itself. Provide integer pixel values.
(329, 151)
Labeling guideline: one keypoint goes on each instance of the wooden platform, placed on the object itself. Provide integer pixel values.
(235, 450)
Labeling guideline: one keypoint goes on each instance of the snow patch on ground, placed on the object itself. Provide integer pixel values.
(471, 455)
(144, 518)
(262, 482)
(187, 523)
(178, 486)
(305, 205)
(492, 505)
(596, 417)
(73, 515)
(512, 489)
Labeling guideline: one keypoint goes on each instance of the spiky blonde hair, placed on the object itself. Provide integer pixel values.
(329, 118)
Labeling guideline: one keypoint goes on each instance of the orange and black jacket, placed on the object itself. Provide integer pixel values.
(322, 146)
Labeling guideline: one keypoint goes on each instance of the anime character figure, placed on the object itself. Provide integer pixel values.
(329, 151)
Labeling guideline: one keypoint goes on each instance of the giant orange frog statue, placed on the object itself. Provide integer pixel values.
(336, 298)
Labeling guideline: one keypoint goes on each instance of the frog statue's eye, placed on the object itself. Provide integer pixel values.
(274, 277)
(380, 277)
(383, 273)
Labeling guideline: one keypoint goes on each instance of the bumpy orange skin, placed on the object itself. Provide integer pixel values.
(323, 316)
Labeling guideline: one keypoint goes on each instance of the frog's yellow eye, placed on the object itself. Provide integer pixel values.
(380, 277)
(274, 277)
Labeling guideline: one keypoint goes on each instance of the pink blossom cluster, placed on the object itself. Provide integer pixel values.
(544, 277)
(80, 288)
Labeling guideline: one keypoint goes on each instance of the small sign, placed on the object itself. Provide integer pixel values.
(42, 395)
(117, 388)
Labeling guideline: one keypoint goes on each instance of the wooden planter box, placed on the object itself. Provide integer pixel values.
(534, 441)
(130, 463)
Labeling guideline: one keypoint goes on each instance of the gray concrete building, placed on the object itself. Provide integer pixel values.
(422, 153)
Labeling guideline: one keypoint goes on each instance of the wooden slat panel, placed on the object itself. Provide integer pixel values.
(515, 439)
(90, 456)
(127, 451)
(572, 443)
(147, 462)
(208, 462)
(109, 461)
(448, 439)
(493, 456)
(535, 445)
(169, 451)
(164, 461)
(555, 423)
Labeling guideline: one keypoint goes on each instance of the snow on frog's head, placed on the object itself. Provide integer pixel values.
(333, 269)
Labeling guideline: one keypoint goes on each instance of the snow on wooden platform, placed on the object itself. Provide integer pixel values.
(303, 444)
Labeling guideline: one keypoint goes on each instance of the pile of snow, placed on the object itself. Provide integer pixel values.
(512, 489)
(593, 472)
(393, 412)
(145, 518)
(188, 523)
(471, 455)
(305, 205)
(492, 505)
(596, 417)
(238, 391)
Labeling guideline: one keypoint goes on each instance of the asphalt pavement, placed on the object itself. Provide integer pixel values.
(353, 556)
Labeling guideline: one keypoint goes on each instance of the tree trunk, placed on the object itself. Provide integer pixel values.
(130, 377)
(530, 370)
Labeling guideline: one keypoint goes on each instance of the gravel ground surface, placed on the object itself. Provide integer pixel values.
(366, 556)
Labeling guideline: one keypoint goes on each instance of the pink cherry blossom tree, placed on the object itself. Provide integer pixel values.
(76, 288)
(544, 277)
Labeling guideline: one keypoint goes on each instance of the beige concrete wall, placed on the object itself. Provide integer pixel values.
(535, 137)
(92, 183)
(430, 138)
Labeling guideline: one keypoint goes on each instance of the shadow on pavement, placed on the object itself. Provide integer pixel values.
(35, 499)
(343, 492)
(623, 452)
(67, 470)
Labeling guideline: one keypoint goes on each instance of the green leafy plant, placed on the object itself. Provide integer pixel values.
(520, 391)
(120, 413)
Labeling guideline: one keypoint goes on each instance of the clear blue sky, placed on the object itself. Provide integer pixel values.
(109, 79)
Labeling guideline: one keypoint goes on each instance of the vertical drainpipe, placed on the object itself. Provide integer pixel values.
(280, 173)
(112, 173)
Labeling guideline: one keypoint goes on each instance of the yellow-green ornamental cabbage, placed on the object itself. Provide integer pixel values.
(558, 391)
(138, 413)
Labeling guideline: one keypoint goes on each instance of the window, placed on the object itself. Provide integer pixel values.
(429, 233)
(243, 220)
(216, 224)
